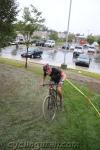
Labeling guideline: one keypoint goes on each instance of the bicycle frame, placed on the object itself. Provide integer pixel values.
(50, 102)
(52, 89)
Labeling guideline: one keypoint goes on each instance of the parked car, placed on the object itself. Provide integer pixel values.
(21, 41)
(13, 43)
(91, 49)
(33, 53)
(34, 41)
(83, 60)
(77, 51)
(76, 54)
(85, 46)
(40, 43)
(72, 47)
(66, 46)
(50, 43)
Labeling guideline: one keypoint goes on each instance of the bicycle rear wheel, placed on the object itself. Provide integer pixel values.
(49, 108)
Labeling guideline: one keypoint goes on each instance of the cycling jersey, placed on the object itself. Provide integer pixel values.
(55, 75)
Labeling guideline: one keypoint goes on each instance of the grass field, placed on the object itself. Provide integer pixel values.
(21, 119)
(37, 70)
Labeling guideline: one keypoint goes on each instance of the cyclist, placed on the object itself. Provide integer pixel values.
(57, 76)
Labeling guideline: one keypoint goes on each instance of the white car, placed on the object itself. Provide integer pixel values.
(91, 49)
(50, 43)
(72, 47)
(79, 49)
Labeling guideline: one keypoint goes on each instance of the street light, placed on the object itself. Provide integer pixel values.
(64, 66)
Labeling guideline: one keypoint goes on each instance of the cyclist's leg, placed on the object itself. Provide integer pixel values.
(59, 91)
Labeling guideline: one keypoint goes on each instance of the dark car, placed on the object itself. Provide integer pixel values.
(33, 53)
(66, 46)
(40, 43)
(76, 54)
(83, 60)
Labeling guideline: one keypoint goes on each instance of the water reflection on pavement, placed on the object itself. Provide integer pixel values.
(51, 56)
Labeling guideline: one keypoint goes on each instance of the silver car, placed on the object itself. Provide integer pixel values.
(83, 60)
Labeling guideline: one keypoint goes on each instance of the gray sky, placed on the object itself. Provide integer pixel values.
(84, 14)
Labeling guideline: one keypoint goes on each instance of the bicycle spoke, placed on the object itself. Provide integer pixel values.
(49, 108)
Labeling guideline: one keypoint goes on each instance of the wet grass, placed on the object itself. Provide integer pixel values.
(21, 118)
(37, 68)
(21, 64)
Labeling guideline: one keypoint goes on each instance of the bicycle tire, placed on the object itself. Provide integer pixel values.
(57, 101)
(49, 108)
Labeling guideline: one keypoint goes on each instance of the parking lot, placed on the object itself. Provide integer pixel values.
(53, 56)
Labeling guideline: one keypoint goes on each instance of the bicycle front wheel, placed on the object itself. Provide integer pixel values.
(49, 108)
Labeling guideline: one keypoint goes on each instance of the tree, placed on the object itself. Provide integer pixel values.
(8, 12)
(53, 35)
(32, 21)
(44, 28)
(71, 37)
(98, 40)
(90, 39)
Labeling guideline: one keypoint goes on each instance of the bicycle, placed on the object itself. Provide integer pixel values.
(51, 102)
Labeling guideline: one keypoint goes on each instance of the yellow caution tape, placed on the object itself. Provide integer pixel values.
(84, 96)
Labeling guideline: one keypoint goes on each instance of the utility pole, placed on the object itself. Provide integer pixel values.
(64, 66)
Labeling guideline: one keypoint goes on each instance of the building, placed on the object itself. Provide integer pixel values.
(80, 39)
(41, 34)
(62, 35)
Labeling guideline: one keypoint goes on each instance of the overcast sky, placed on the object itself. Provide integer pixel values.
(85, 14)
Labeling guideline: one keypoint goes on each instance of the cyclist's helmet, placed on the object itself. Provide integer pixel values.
(46, 68)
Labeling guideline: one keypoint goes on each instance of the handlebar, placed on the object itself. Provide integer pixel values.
(49, 84)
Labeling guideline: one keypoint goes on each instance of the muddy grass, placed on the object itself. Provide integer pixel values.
(21, 119)
(20, 100)
(92, 83)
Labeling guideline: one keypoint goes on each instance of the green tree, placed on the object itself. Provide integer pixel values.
(44, 28)
(32, 21)
(71, 37)
(53, 35)
(8, 12)
(90, 39)
(98, 40)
